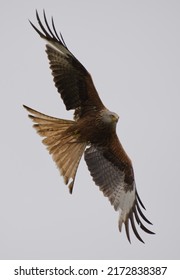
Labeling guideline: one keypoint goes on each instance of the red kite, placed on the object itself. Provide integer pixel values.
(92, 133)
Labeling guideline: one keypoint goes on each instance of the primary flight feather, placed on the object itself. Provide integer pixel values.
(92, 133)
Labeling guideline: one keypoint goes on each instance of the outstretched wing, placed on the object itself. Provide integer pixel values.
(112, 171)
(72, 80)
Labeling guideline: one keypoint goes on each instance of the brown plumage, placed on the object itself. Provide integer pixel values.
(93, 132)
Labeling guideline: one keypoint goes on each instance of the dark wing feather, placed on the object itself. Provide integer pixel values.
(112, 171)
(72, 80)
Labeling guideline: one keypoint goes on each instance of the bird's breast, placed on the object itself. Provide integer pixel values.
(92, 130)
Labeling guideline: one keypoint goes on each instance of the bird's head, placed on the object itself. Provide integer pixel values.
(109, 118)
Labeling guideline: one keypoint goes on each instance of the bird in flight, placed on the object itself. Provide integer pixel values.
(92, 133)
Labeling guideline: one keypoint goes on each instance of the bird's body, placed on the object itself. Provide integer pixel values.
(92, 133)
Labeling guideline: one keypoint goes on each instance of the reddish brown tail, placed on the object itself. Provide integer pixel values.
(64, 147)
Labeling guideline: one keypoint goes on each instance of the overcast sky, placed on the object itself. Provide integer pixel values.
(132, 50)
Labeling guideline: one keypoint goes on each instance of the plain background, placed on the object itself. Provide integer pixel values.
(131, 48)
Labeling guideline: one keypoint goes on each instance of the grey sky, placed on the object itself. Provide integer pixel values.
(131, 48)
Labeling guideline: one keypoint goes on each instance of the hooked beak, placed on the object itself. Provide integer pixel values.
(115, 118)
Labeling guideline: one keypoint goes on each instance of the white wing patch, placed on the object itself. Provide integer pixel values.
(59, 48)
(126, 202)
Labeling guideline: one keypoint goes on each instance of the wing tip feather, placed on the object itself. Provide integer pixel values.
(134, 213)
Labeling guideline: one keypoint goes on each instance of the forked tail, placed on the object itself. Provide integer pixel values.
(61, 143)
